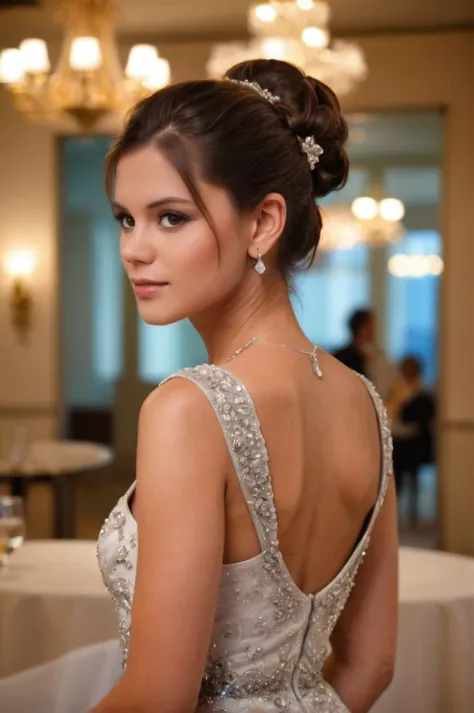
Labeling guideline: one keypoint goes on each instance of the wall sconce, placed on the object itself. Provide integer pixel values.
(18, 265)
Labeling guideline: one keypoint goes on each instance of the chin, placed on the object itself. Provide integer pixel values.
(160, 317)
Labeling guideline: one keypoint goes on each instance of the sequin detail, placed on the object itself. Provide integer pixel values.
(235, 410)
(270, 640)
(116, 571)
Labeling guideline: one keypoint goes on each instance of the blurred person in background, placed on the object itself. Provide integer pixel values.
(412, 412)
(362, 353)
(361, 325)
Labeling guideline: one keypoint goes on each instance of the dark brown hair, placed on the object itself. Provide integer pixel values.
(228, 135)
(359, 319)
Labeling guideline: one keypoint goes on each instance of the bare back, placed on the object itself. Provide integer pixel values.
(323, 441)
(271, 618)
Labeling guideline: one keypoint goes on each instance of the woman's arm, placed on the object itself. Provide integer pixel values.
(362, 662)
(182, 460)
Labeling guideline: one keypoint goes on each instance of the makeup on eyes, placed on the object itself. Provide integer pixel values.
(175, 218)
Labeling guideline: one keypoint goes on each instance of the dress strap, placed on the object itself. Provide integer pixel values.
(236, 413)
(387, 451)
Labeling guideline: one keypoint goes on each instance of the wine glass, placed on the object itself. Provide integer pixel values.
(12, 526)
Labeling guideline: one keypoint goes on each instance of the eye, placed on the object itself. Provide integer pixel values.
(125, 221)
(172, 220)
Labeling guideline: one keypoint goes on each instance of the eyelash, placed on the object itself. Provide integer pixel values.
(121, 217)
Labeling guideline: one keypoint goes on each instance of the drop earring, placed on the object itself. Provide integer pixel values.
(259, 265)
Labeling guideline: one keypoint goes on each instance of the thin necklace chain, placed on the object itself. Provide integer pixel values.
(313, 354)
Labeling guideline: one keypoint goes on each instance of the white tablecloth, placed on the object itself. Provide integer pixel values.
(52, 601)
(435, 662)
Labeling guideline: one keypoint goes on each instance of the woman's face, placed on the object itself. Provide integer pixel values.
(168, 249)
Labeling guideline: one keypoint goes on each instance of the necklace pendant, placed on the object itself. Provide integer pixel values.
(315, 362)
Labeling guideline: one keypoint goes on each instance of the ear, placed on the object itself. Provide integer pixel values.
(270, 220)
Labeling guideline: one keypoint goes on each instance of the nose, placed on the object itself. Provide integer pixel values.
(136, 249)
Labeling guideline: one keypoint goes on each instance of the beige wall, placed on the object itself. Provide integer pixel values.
(412, 72)
(28, 373)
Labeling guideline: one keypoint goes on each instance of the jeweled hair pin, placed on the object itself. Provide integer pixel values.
(308, 145)
(312, 150)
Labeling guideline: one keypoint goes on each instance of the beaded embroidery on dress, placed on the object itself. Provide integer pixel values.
(270, 640)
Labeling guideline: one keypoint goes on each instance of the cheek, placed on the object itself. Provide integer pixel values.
(217, 262)
(199, 251)
(199, 254)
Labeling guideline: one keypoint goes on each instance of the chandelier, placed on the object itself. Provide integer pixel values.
(379, 220)
(295, 31)
(367, 221)
(88, 83)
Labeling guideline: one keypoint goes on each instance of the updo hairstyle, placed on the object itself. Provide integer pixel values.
(228, 135)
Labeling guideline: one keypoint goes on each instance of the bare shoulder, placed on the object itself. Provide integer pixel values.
(178, 415)
(177, 393)
(179, 507)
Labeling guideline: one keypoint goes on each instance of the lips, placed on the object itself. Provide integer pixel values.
(147, 288)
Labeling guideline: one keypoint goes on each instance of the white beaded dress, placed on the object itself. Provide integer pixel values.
(269, 640)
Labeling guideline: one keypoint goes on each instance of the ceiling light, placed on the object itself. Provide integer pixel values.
(299, 34)
(34, 54)
(365, 208)
(88, 83)
(265, 13)
(315, 37)
(391, 209)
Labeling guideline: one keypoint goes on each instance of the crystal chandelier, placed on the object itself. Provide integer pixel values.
(295, 31)
(379, 220)
(88, 83)
(367, 221)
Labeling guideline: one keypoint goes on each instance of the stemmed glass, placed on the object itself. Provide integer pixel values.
(12, 527)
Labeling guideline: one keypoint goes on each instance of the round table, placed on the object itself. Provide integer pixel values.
(52, 600)
(435, 660)
(60, 463)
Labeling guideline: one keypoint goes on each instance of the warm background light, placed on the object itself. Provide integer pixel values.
(402, 265)
(302, 28)
(86, 55)
(159, 76)
(141, 61)
(19, 263)
(11, 66)
(274, 48)
(90, 87)
(391, 209)
(340, 231)
(265, 13)
(34, 54)
(365, 208)
(315, 37)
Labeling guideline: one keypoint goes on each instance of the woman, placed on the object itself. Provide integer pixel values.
(261, 475)
(412, 412)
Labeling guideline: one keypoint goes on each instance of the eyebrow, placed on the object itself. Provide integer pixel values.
(155, 204)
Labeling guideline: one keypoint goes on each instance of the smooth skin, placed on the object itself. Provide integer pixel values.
(322, 438)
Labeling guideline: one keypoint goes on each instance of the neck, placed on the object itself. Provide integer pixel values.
(261, 309)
